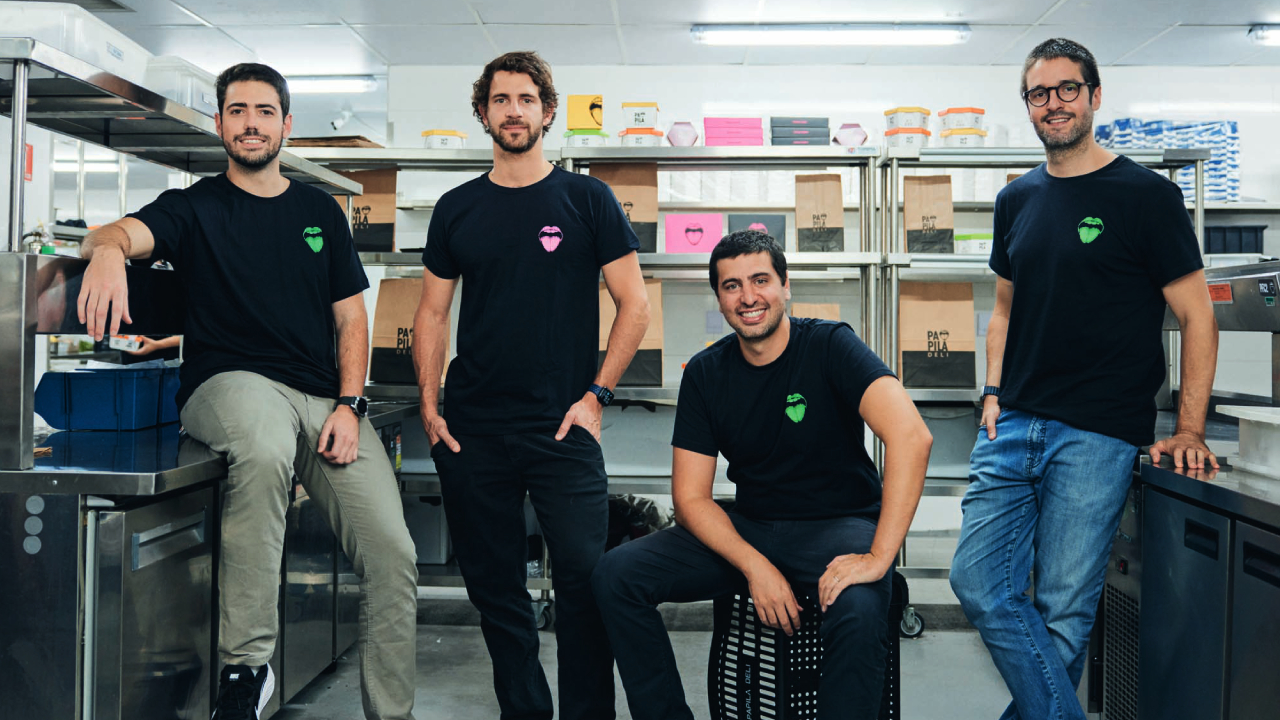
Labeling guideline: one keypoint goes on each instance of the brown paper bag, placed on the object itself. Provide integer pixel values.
(936, 335)
(928, 214)
(636, 187)
(819, 213)
(391, 360)
(373, 222)
(646, 366)
(821, 311)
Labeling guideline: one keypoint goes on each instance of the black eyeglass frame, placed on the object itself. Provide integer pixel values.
(1055, 90)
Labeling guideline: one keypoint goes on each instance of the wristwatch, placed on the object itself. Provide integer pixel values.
(989, 390)
(603, 394)
(358, 405)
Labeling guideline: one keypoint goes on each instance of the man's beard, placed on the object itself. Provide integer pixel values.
(535, 134)
(758, 333)
(256, 161)
(1079, 128)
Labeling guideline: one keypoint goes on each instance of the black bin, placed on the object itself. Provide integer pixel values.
(1233, 239)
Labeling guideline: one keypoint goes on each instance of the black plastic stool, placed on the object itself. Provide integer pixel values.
(755, 672)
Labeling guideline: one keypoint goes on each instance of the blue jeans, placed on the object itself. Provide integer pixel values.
(1047, 496)
(674, 566)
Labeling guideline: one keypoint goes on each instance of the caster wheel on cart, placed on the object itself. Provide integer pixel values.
(546, 615)
(912, 624)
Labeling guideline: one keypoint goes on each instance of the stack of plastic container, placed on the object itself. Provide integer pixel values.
(1222, 137)
(800, 130)
(642, 124)
(733, 131)
(962, 127)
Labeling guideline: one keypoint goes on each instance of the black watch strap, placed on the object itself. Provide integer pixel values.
(989, 390)
(358, 405)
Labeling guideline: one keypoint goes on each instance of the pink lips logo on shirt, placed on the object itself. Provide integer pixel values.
(550, 237)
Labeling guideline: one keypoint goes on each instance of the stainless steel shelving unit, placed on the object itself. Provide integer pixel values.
(354, 159)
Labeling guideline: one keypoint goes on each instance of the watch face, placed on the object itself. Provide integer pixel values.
(362, 406)
(606, 396)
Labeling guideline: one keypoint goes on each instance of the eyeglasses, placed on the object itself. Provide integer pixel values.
(1067, 91)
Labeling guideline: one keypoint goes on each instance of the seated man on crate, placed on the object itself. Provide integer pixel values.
(784, 400)
(279, 341)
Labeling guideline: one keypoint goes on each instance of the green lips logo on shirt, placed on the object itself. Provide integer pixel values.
(795, 407)
(313, 238)
(1089, 228)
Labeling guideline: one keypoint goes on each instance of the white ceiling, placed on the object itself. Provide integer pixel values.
(365, 36)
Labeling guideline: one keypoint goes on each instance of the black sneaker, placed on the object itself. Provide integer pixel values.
(241, 694)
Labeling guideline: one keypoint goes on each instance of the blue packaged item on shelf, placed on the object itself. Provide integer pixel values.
(102, 399)
(168, 411)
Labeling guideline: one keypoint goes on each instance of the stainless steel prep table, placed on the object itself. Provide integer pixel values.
(109, 548)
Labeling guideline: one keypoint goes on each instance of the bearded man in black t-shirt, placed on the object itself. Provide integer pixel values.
(525, 393)
(784, 400)
(1096, 246)
(271, 279)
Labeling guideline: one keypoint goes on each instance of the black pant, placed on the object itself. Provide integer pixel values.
(674, 566)
(484, 487)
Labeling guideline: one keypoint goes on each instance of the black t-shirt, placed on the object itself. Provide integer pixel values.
(530, 260)
(790, 430)
(1088, 257)
(260, 276)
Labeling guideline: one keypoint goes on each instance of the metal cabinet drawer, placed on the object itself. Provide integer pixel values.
(1183, 627)
(1255, 625)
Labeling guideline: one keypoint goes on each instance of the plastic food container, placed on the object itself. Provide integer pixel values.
(962, 117)
(964, 137)
(682, 134)
(906, 117)
(850, 135)
(974, 244)
(76, 32)
(641, 137)
(640, 114)
(586, 138)
(183, 83)
(907, 137)
(443, 139)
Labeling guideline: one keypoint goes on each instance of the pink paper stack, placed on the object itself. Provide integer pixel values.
(733, 131)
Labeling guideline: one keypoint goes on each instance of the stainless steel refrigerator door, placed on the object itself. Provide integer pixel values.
(153, 610)
(1183, 628)
(308, 603)
(1255, 625)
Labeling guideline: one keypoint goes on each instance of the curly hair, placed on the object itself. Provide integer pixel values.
(746, 242)
(526, 62)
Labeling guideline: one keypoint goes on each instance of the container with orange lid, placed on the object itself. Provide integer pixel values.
(906, 137)
(906, 117)
(641, 137)
(962, 117)
(964, 137)
(640, 114)
(442, 139)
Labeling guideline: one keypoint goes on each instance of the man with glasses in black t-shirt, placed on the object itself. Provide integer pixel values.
(784, 401)
(1096, 246)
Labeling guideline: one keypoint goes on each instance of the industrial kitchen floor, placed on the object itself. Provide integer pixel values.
(945, 674)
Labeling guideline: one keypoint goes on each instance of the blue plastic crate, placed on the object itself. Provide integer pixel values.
(100, 399)
(168, 411)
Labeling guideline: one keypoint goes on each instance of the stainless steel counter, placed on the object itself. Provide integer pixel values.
(140, 462)
(1232, 491)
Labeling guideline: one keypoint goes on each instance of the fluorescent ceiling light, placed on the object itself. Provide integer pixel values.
(332, 84)
(1265, 34)
(840, 34)
(89, 167)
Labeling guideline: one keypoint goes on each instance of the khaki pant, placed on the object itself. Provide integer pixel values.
(269, 433)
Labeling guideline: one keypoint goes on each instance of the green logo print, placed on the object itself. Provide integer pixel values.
(313, 238)
(1089, 228)
(795, 407)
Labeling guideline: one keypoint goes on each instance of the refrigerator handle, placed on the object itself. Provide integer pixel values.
(1262, 564)
(1201, 538)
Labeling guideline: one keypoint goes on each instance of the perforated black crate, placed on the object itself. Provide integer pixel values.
(1233, 238)
(757, 673)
